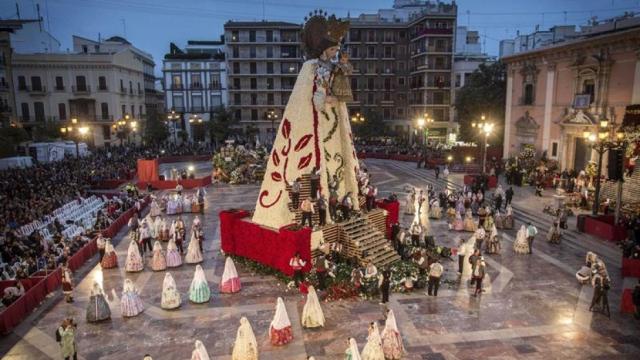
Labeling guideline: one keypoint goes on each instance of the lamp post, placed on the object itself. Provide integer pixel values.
(485, 128)
(272, 116)
(173, 116)
(602, 141)
(422, 123)
(195, 120)
(124, 127)
(76, 132)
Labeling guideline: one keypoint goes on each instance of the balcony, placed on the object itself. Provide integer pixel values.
(123, 90)
(140, 92)
(81, 90)
(59, 88)
(431, 31)
(131, 92)
(214, 86)
(103, 88)
(37, 91)
(176, 87)
(195, 86)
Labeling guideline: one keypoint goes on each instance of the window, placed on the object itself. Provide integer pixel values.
(386, 114)
(269, 51)
(354, 35)
(589, 88)
(22, 83)
(176, 83)
(106, 133)
(252, 36)
(215, 82)
(133, 111)
(237, 99)
(370, 98)
(254, 114)
(104, 110)
(38, 110)
(371, 36)
(554, 149)
(269, 68)
(236, 83)
(253, 68)
(371, 51)
(81, 83)
(269, 35)
(59, 83)
(237, 114)
(438, 97)
(36, 83)
(269, 83)
(400, 81)
(254, 83)
(102, 83)
(124, 107)
(85, 49)
(236, 52)
(196, 103)
(62, 111)
(130, 87)
(236, 68)
(216, 100)
(139, 89)
(388, 53)
(195, 81)
(402, 34)
(354, 52)
(528, 94)
(25, 111)
(288, 52)
(235, 36)
(458, 80)
(270, 99)
(252, 52)
(172, 86)
(387, 84)
(354, 83)
(254, 99)
(140, 110)
(371, 83)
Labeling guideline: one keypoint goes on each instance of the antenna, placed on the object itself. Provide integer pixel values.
(468, 18)
(39, 17)
(18, 10)
(46, 9)
(263, 16)
(124, 27)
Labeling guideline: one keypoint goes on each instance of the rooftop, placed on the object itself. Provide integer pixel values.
(261, 24)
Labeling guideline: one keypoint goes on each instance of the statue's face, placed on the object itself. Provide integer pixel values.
(331, 52)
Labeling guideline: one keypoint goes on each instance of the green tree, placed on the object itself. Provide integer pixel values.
(482, 94)
(221, 126)
(155, 130)
(372, 126)
(46, 131)
(10, 138)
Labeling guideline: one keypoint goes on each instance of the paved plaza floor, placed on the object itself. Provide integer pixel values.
(533, 307)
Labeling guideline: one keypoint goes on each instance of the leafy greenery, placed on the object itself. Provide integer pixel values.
(372, 126)
(10, 138)
(46, 131)
(483, 94)
(221, 126)
(155, 130)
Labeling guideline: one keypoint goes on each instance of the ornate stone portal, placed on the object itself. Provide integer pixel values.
(526, 130)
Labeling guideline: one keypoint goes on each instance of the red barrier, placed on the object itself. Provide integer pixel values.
(393, 213)
(603, 227)
(273, 248)
(630, 267)
(626, 304)
(42, 283)
(171, 184)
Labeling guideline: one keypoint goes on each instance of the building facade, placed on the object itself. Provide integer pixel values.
(263, 60)
(403, 65)
(195, 82)
(556, 93)
(95, 88)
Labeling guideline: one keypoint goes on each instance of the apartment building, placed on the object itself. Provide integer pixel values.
(263, 60)
(195, 82)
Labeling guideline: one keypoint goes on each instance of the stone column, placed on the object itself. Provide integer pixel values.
(548, 102)
(635, 97)
(507, 115)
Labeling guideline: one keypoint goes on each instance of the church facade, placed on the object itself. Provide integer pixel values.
(556, 93)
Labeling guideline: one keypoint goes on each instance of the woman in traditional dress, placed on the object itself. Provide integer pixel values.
(97, 308)
(164, 230)
(411, 202)
(230, 280)
(280, 328)
(458, 223)
(391, 339)
(498, 219)
(173, 257)
(194, 255)
(373, 348)
(352, 352)
(200, 352)
(158, 261)
(156, 227)
(493, 242)
(554, 235)
(170, 296)
(312, 315)
(521, 245)
(435, 212)
(134, 260)
(451, 214)
(155, 208)
(110, 258)
(469, 223)
(508, 218)
(130, 302)
(67, 282)
(199, 291)
(246, 346)
(186, 203)
(488, 221)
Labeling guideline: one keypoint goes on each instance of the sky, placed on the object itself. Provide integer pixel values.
(152, 24)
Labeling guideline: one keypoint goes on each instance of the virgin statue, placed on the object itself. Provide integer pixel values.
(315, 131)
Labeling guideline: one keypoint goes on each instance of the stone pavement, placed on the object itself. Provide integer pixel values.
(533, 308)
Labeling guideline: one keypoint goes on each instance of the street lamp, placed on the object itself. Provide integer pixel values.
(602, 141)
(485, 128)
(358, 118)
(77, 133)
(272, 116)
(173, 116)
(124, 127)
(195, 120)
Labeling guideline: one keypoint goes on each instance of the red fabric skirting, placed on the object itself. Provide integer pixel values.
(626, 305)
(42, 283)
(273, 248)
(171, 184)
(603, 228)
(148, 170)
(393, 213)
(630, 267)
